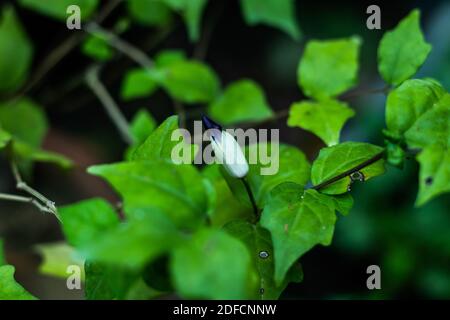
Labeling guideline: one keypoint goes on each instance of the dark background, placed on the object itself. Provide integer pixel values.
(412, 246)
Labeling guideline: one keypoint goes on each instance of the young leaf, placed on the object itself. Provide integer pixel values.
(10, 289)
(259, 244)
(324, 118)
(57, 258)
(84, 221)
(142, 125)
(149, 12)
(409, 101)
(96, 46)
(333, 161)
(166, 58)
(241, 101)
(191, 11)
(328, 68)
(32, 126)
(147, 235)
(431, 132)
(212, 265)
(58, 8)
(297, 220)
(276, 13)
(176, 190)
(289, 165)
(138, 83)
(15, 60)
(25, 153)
(189, 81)
(160, 144)
(403, 50)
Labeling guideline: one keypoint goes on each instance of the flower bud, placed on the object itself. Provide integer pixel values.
(226, 149)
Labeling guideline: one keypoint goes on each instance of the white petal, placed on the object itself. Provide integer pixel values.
(229, 153)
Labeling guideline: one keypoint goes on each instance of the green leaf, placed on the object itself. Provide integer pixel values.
(166, 58)
(58, 8)
(297, 220)
(138, 83)
(158, 145)
(315, 117)
(189, 82)
(243, 100)
(132, 244)
(5, 138)
(289, 165)
(408, 102)
(25, 152)
(212, 265)
(164, 143)
(224, 207)
(191, 11)
(84, 221)
(57, 257)
(333, 161)
(176, 190)
(142, 125)
(15, 60)
(10, 289)
(329, 67)
(276, 13)
(32, 126)
(434, 177)
(431, 132)
(107, 282)
(403, 50)
(259, 243)
(28, 133)
(343, 203)
(433, 127)
(149, 12)
(97, 47)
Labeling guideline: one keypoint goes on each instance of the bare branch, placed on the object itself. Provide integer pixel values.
(111, 107)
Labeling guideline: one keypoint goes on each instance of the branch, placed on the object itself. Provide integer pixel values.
(16, 198)
(136, 55)
(37, 199)
(121, 45)
(111, 107)
(344, 174)
(252, 198)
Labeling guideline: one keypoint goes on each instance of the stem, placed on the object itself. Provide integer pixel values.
(39, 200)
(111, 107)
(16, 198)
(121, 45)
(366, 163)
(202, 47)
(252, 198)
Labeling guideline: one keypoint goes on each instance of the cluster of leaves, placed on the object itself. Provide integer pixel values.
(192, 231)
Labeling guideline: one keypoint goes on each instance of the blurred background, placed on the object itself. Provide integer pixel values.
(412, 246)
